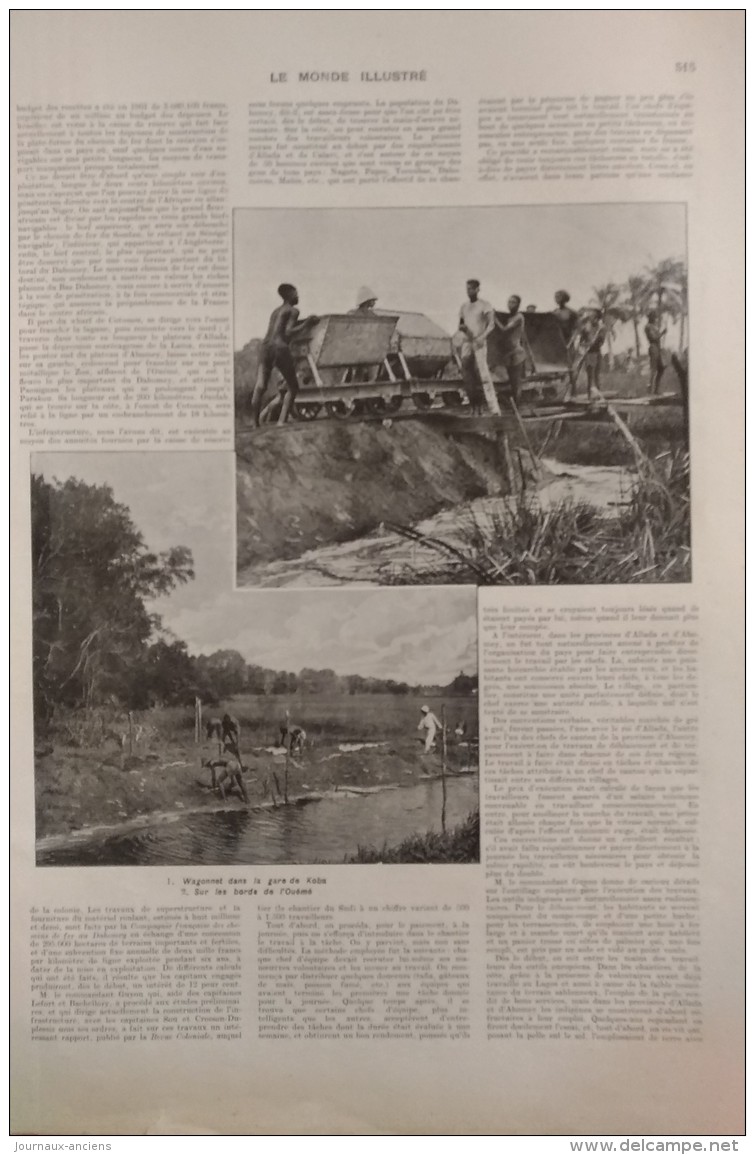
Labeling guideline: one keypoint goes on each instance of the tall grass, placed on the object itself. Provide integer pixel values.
(462, 844)
(525, 543)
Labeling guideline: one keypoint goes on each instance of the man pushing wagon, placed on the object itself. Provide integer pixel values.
(476, 323)
(283, 328)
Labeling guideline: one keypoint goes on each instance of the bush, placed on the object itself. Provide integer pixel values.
(462, 844)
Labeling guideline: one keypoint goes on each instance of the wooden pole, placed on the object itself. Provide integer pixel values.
(508, 468)
(197, 720)
(523, 431)
(554, 427)
(443, 756)
(285, 775)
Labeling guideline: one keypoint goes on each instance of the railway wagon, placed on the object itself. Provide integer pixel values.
(375, 363)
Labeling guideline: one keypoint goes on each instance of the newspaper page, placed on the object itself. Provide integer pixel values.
(377, 391)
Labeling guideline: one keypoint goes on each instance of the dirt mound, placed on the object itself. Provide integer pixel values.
(310, 485)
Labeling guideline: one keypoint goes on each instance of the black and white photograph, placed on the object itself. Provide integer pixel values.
(473, 395)
(178, 721)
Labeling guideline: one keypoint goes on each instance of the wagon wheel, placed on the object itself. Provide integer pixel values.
(379, 406)
(422, 400)
(340, 408)
(374, 406)
(451, 398)
(306, 410)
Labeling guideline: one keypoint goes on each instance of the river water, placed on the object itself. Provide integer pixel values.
(318, 832)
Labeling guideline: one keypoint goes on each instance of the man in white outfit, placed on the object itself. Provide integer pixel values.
(431, 724)
(476, 322)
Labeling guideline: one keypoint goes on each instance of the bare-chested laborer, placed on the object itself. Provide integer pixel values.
(226, 776)
(230, 729)
(566, 317)
(568, 322)
(516, 350)
(654, 334)
(284, 326)
(227, 732)
(592, 337)
(214, 728)
(292, 736)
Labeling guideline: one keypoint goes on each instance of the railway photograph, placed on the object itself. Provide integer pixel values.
(181, 722)
(479, 395)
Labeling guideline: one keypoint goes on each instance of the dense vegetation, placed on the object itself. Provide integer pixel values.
(95, 641)
(462, 844)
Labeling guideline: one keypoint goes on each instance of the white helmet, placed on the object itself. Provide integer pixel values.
(365, 294)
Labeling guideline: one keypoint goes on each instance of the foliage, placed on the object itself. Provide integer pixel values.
(95, 642)
(166, 675)
(606, 302)
(91, 576)
(462, 844)
(524, 543)
(633, 305)
(220, 675)
(666, 292)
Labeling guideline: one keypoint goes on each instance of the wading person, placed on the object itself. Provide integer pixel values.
(654, 335)
(284, 326)
(516, 345)
(476, 323)
(431, 725)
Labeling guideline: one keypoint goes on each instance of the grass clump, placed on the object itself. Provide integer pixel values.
(462, 844)
(525, 543)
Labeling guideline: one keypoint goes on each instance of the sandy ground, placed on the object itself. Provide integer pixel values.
(373, 559)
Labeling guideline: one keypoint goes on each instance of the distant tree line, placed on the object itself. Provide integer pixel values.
(662, 287)
(95, 641)
(172, 675)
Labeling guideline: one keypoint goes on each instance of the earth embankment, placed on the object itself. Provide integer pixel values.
(308, 485)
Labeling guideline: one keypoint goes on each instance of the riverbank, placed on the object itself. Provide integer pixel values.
(461, 844)
(236, 805)
(85, 791)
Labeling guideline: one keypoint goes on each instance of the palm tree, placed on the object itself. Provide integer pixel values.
(666, 291)
(635, 296)
(606, 303)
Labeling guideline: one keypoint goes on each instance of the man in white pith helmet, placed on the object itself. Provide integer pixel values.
(431, 724)
(366, 300)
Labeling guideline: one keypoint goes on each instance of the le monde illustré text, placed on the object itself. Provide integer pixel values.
(398, 76)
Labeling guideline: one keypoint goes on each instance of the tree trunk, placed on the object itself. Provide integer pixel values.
(636, 338)
(611, 358)
(682, 331)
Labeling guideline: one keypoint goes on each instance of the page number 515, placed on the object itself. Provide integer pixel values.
(686, 66)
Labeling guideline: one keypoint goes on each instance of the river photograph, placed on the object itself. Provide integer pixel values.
(179, 721)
